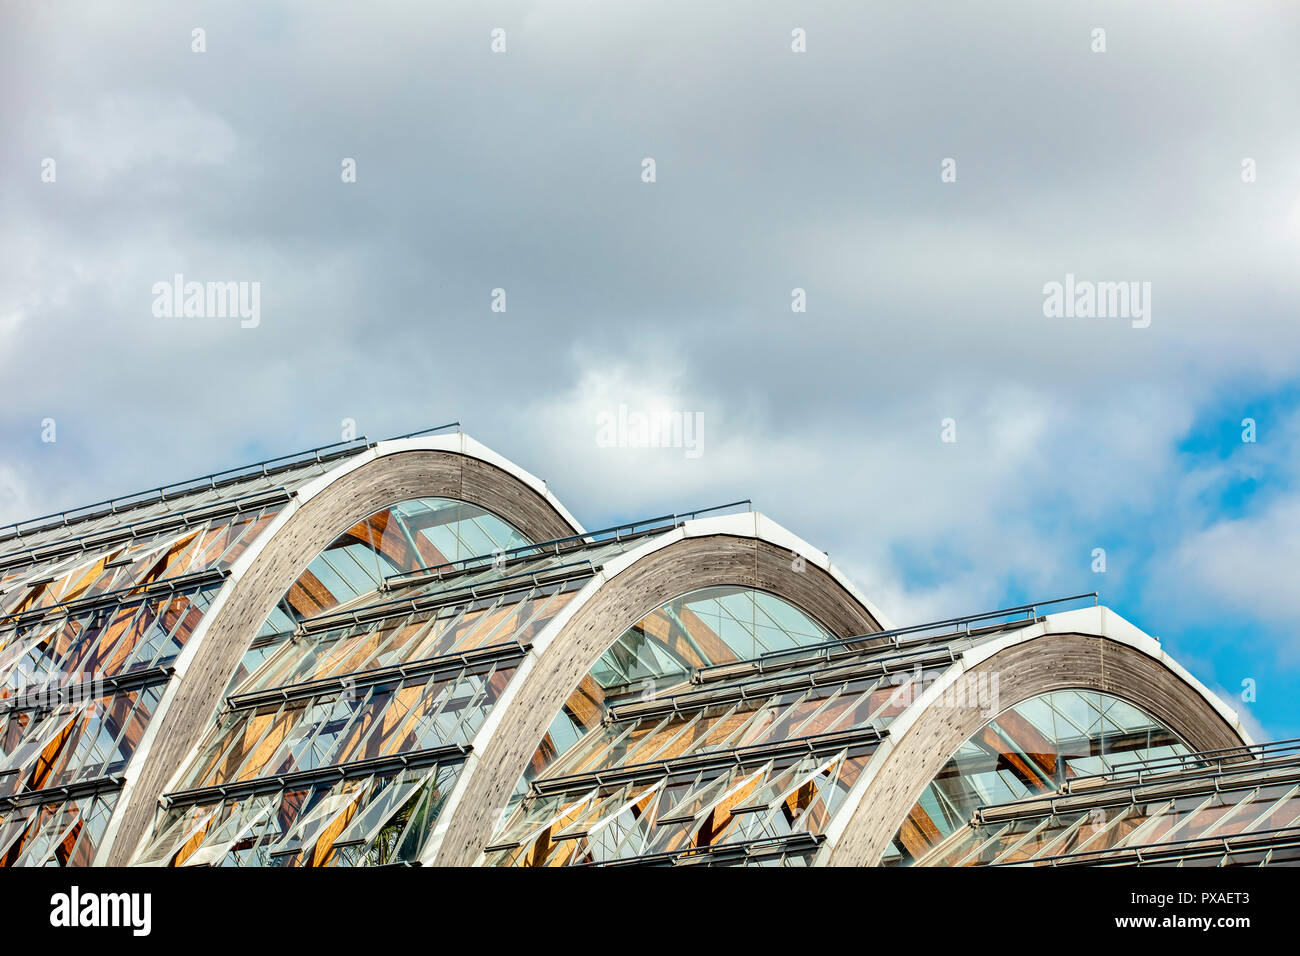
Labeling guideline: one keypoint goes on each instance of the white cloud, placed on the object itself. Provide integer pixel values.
(125, 135)
(15, 503)
(521, 171)
(1246, 565)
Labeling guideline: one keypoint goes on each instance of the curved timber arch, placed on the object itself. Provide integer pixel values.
(452, 466)
(745, 550)
(1089, 649)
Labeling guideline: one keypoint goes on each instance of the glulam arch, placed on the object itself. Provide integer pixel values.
(1091, 649)
(451, 466)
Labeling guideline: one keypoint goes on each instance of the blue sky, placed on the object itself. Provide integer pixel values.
(775, 170)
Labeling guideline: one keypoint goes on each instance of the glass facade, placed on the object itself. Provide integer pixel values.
(1031, 748)
(95, 607)
(725, 727)
(1222, 808)
(408, 536)
(653, 758)
(339, 745)
(421, 533)
(375, 818)
(55, 832)
(341, 738)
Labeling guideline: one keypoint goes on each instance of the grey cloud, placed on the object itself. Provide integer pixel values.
(775, 171)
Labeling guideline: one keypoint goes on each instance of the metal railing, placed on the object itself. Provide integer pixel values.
(1187, 781)
(782, 682)
(421, 669)
(798, 841)
(316, 776)
(1242, 757)
(555, 546)
(427, 431)
(560, 575)
(134, 594)
(959, 628)
(150, 525)
(857, 741)
(210, 482)
(1255, 841)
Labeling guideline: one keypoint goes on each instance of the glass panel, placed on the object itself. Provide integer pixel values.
(1031, 748)
(689, 810)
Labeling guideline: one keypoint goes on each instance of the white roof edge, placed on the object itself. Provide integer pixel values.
(467, 445)
(755, 525)
(1110, 624)
(769, 530)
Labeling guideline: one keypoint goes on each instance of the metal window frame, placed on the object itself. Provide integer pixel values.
(399, 673)
(303, 779)
(557, 546)
(857, 741)
(160, 524)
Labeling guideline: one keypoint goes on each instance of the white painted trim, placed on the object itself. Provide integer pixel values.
(459, 443)
(1090, 621)
(769, 530)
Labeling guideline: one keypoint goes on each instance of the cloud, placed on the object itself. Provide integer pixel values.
(1247, 565)
(117, 137)
(776, 170)
(15, 503)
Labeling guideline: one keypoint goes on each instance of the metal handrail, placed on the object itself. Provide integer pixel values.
(1193, 779)
(555, 545)
(1205, 759)
(1215, 844)
(783, 681)
(132, 594)
(347, 616)
(153, 524)
(962, 625)
(426, 431)
(216, 479)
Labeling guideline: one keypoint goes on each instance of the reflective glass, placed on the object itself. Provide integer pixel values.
(1031, 748)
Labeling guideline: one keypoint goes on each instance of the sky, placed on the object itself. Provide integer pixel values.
(1171, 157)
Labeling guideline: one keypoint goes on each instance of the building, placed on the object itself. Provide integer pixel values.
(409, 652)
